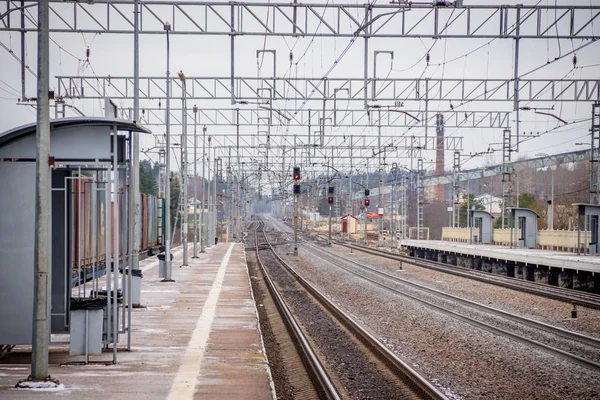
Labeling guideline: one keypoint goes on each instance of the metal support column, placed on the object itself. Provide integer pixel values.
(204, 189)
(42, 262)
(195, 255)
(456, 191)
(506, 174)
(420, 196)
(594, 160)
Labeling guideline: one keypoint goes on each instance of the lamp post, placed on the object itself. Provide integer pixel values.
(167, 28)
(551, 205)
(491, 187)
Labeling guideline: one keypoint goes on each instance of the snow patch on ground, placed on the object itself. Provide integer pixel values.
(447, 391)
(152, 330)
(45, 386)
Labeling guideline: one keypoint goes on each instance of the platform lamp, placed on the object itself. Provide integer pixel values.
(167, 236)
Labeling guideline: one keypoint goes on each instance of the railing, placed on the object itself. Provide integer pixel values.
(560, 240)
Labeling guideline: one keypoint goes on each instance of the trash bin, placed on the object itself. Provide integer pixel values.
(162, 265)
(86, 326)
(136, 285)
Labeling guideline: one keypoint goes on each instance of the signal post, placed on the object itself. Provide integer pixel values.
(330, 201)
(296, 193)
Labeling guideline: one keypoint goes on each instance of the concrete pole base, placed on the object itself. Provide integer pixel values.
(30, 383)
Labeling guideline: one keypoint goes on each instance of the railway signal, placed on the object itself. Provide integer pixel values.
(367, 192)
(330, 199)
(367, 202)
(296, 174)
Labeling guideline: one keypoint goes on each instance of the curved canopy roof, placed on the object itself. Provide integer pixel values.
(30, 129)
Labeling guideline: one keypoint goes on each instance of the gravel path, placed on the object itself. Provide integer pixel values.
(542, 309)
(468, 362)
(357, 372)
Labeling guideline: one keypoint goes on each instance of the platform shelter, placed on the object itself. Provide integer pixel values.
(481, 231)
(524, 232)
(90, 160)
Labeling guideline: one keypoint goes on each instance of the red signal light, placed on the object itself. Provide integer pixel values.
(330, 199)
(367, 202)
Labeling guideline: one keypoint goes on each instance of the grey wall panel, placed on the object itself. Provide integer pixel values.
(90, 142)
(17, 223)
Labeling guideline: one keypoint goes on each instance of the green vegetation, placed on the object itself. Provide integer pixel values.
(148, 174)
(471, 203)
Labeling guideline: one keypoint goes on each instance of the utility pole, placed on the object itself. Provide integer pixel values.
(350, 198)
(42, 262)
(184, 171)
(420, 197)
(379, 194)
(168, 265)
(456, 191)
(215, 214)
(133, 238)
(404, 205)
(366, 207)
(195, 109)
(394, 171)
(204, 189)
(209, 200)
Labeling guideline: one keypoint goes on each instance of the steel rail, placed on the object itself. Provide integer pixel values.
(576, 297)
(504, 314)
(390, 358)
(316, 368)
(490, 328)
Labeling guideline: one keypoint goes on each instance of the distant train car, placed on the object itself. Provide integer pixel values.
(87, 222)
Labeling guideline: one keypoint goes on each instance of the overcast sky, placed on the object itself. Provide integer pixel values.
(197, 55)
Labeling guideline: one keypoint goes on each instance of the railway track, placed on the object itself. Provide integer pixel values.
(323, 386)
(576, 347)
(399, 381)
(575, 297)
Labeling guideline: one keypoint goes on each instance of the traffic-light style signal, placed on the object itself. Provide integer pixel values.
(367, 202)
(296, 173)
(330, 199)
(296, 189)
(330, 190)
(367, 192)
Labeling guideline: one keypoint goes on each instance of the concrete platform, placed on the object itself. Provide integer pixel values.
(198, 337)
(535, 257)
